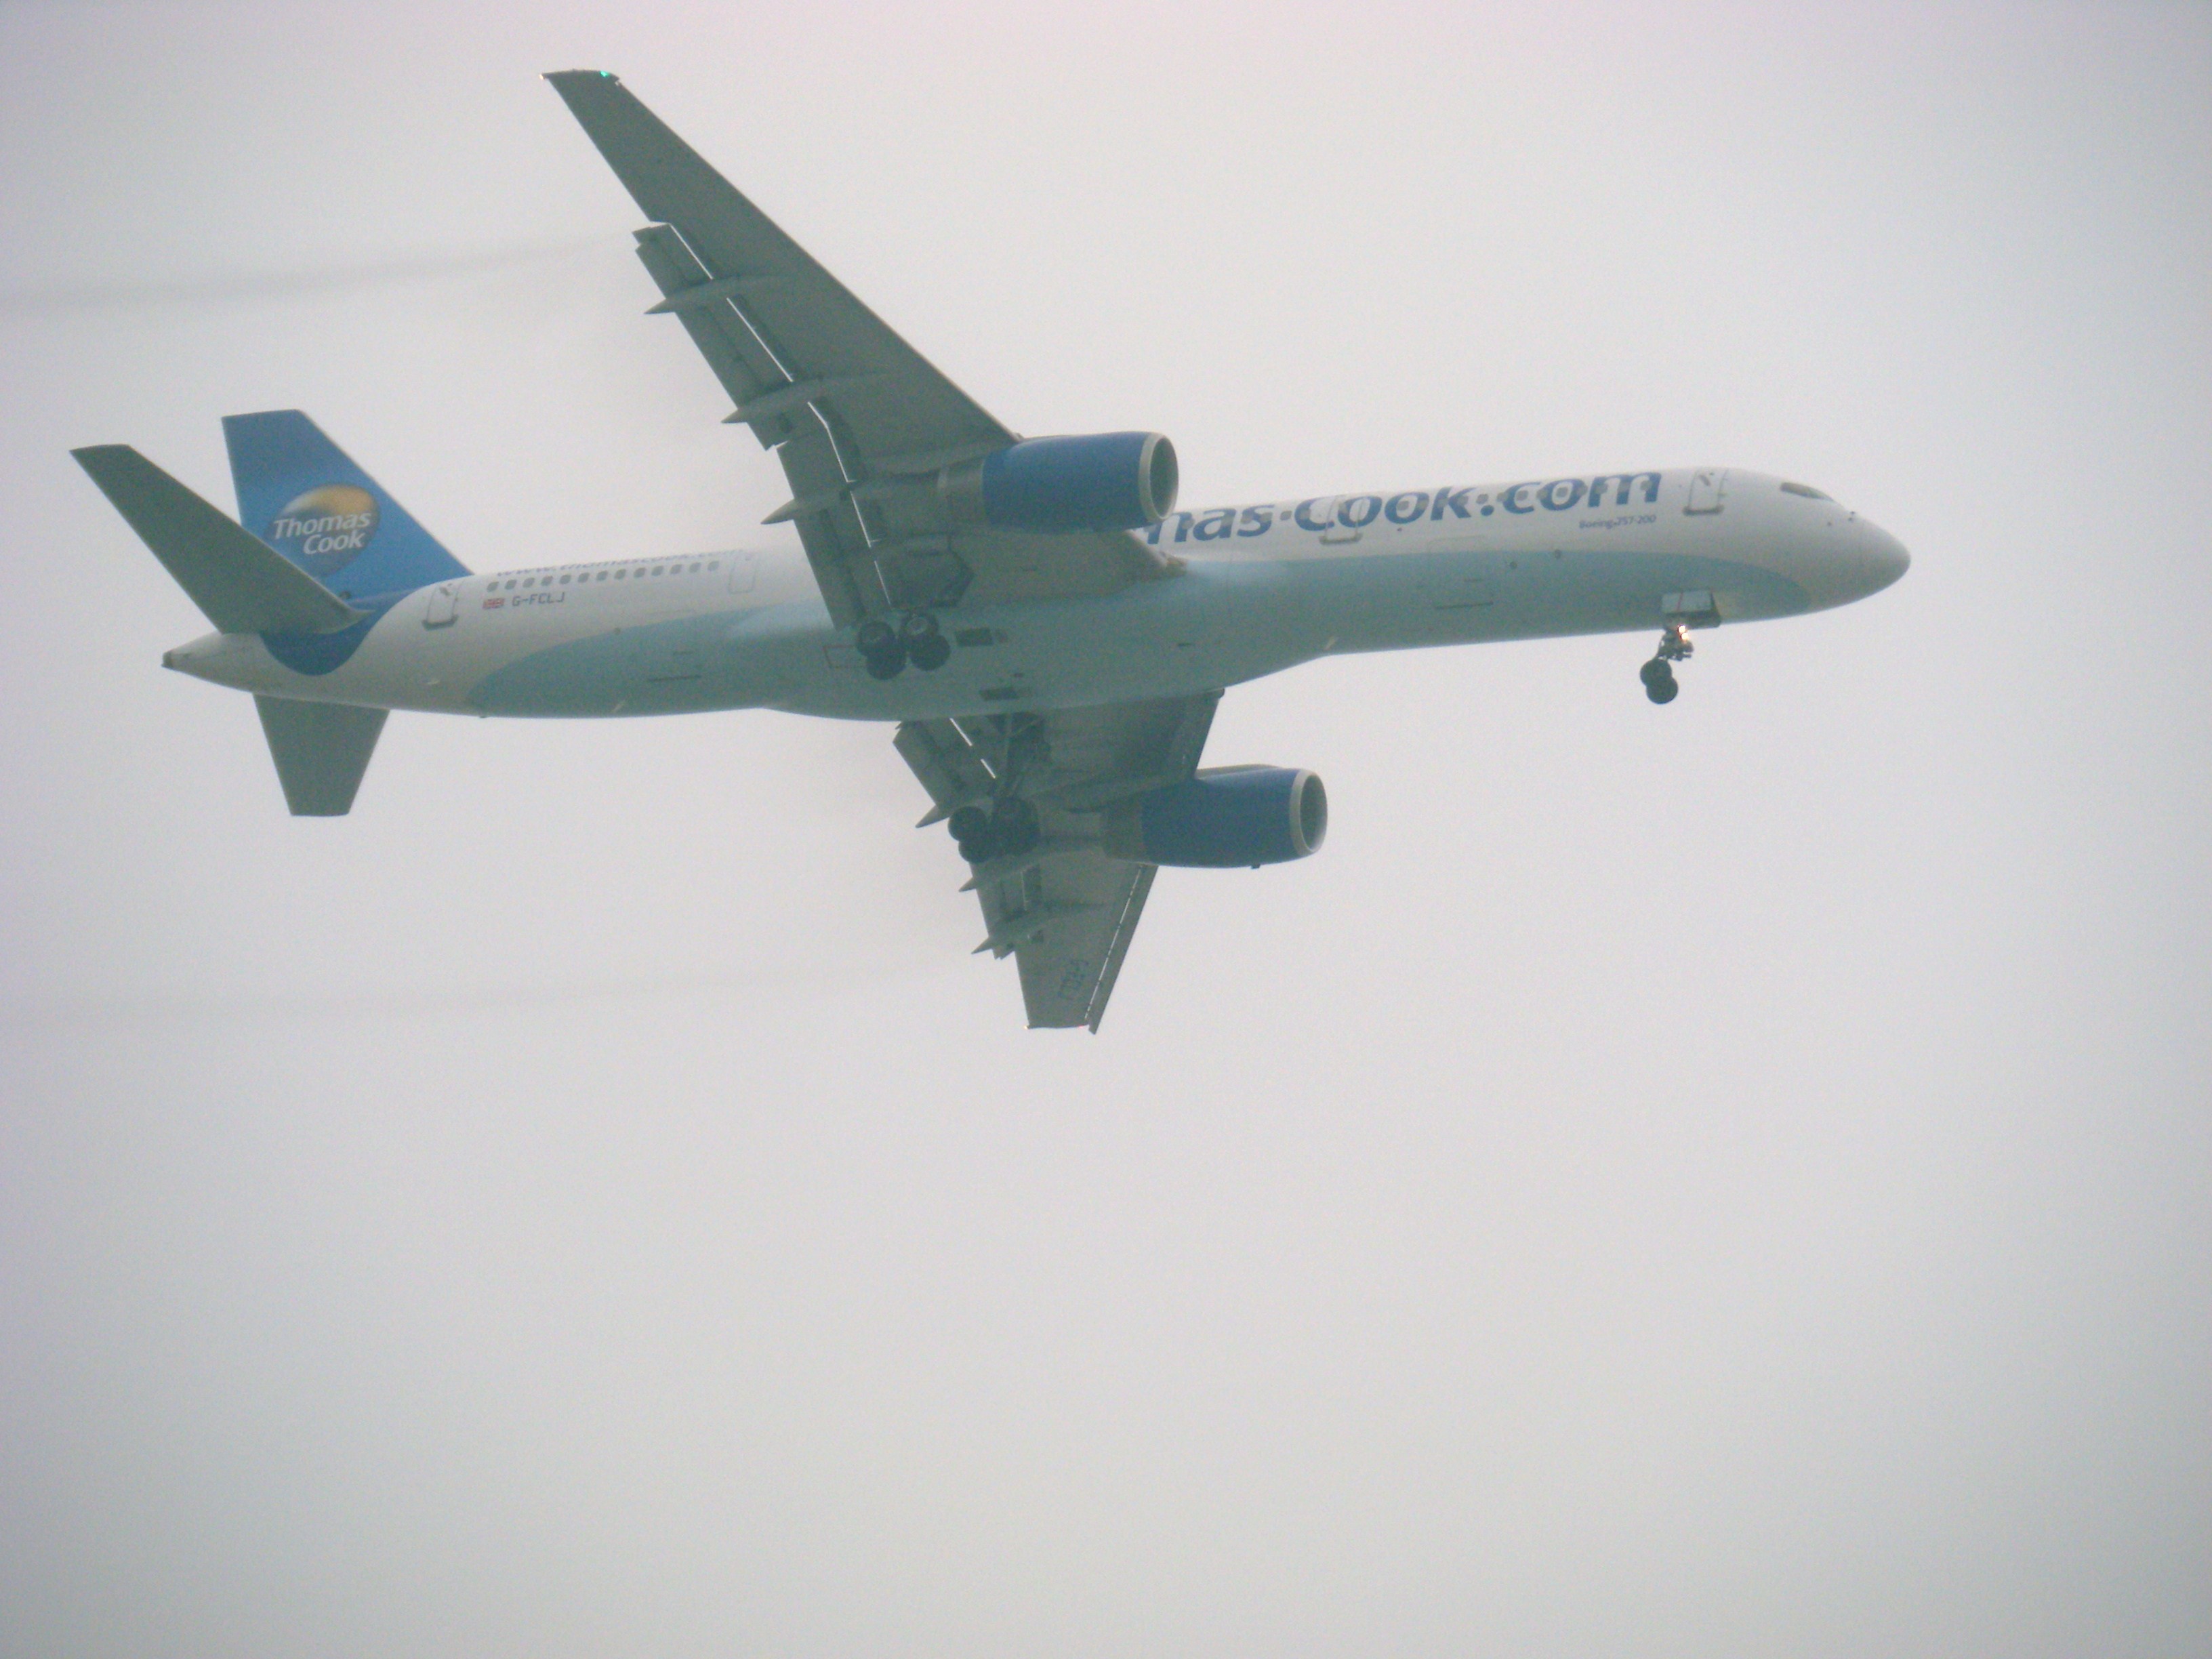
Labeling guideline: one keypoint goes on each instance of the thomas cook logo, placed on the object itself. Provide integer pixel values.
(325, 528)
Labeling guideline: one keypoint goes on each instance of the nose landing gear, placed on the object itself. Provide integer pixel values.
(1658, 674)
(917, 639)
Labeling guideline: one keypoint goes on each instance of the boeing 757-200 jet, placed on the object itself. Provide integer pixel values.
(1049, 633)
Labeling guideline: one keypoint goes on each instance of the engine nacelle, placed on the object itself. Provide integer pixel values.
(1108, 480)
(1222, 818)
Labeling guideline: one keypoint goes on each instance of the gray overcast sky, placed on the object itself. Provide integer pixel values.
(1723, 1179)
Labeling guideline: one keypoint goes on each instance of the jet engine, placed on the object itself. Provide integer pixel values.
(1108, 481)
(1224, 817)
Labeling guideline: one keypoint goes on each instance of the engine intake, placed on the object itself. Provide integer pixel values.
(1108, 481)
(1224, 817)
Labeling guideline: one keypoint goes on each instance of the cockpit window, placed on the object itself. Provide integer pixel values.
(1806, 491)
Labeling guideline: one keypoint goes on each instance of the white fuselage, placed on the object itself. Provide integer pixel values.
(1264, 587)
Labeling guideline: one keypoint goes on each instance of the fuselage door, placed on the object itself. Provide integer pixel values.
(1708, 490)
(742, 573)
(1331, 513)
(444, 605)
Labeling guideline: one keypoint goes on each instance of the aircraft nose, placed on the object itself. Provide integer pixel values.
(1883, 557)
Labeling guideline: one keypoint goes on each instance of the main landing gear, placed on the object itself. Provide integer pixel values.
(1658, 674)
(1016, 747)
(1007, 827)
(917, 639)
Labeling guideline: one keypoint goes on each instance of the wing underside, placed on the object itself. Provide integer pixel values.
(869, 431)
(864, 424)
(1063, 908)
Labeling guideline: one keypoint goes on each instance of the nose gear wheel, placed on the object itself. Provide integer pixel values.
(1658, 675)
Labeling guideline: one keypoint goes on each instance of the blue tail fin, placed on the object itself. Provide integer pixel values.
(299, 492)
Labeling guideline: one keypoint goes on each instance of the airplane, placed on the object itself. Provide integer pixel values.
(1048, 631)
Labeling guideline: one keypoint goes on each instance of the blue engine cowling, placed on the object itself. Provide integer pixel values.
(1108, 480)
(1224, 818)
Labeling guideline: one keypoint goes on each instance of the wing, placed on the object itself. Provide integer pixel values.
(864, 424)
(1064, 909)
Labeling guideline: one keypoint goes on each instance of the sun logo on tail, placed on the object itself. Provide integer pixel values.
(324, 529)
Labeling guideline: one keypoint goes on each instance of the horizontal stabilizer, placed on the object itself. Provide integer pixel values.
(321, 749)
(244, 584)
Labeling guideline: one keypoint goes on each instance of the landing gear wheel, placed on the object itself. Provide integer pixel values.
(1013, 826)
(926, 647)
(972, 828)
(880, 649)
(1658, 674)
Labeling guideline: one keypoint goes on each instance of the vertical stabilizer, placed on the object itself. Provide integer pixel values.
(303, 496)
(321, 749)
